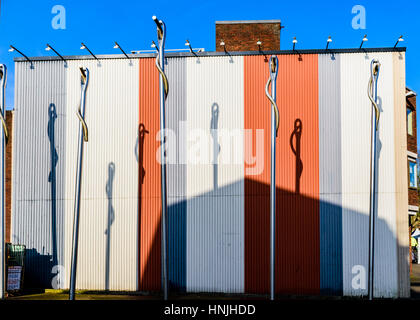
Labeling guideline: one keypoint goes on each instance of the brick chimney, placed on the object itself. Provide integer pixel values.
(243, 35)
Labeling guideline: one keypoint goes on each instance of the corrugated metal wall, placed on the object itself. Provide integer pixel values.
(330, 216)
(149, 178)
(355, 141)
(218, 147)
(39, 164)
(215, 174)
(297, 177)
(401, 178)
(107, 256)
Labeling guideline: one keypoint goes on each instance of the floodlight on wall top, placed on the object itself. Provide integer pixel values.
(84, 47)
(49, 48)
(153, 45)
(365, 39)
(223, 44)
(117, 46)
(400, 39)
(259, 44)
(12, 48)
(329, 40)
(294, 43)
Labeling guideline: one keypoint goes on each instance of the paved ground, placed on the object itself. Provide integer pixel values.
(95, 295)
(415, 282)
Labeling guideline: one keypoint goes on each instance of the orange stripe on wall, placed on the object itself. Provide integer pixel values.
(297, 177)
(149, 178)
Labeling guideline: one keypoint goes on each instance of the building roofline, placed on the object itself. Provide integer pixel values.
(247, 21)
(216, 54)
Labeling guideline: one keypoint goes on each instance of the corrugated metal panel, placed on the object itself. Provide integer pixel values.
(330, 224)
(401, 181)
(107, 257)
(297, 177)
(355, 139)
(215, 183)
(176, 112)
(149, 180)
(39, 161)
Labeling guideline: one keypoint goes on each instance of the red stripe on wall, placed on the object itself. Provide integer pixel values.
(149, 179)
(297, 177)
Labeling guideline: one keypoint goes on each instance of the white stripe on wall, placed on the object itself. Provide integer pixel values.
(356, 121)
(215, 193)
(108, 220)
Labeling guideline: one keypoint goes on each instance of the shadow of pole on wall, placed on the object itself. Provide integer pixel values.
(297, 133)
(216, 147)
(52, 116)
(111, 218)
(142, 173)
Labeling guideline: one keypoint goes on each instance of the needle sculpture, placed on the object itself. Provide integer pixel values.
(273, 69)
(83, 137)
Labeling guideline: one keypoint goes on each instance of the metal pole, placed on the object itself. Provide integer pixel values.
(274, 127)
(373, 96)
(163, 92)
(83, 136)
(3, 79)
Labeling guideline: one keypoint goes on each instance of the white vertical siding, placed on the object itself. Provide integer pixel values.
(401, 182)
(355, 140)
(107, 256)
(39, 160)
(215, 192)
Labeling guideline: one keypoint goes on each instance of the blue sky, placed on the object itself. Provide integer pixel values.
(27, 25)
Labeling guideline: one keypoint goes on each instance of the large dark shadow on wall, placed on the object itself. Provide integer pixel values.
(297, 241)
(52, 179)
(110, 219)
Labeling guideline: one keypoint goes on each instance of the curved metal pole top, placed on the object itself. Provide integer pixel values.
(84, 76)
(375, 67)
(84, 81)
(3, 75)
(161, 31)
(3, 81)
(274, 67)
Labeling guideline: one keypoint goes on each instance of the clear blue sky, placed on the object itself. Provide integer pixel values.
(27, 25)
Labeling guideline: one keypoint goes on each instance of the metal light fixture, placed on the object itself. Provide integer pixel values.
(365, 39)
(153, 45)
(222, 44)
(83, 47)
(48, 48)
(117, 46)
(294, 43)
(328, 42)
(400, 39)
(188, 44)
(12, 48)
(259, 43)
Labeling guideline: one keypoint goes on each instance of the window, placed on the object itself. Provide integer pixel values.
(412, 174)
(409, 121)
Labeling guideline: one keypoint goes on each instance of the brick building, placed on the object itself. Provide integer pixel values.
(244, 35)
(413, 198)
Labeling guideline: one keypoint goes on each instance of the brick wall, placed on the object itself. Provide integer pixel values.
(412, 139)
(413, 198)
(8, 171)
(243, 36)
